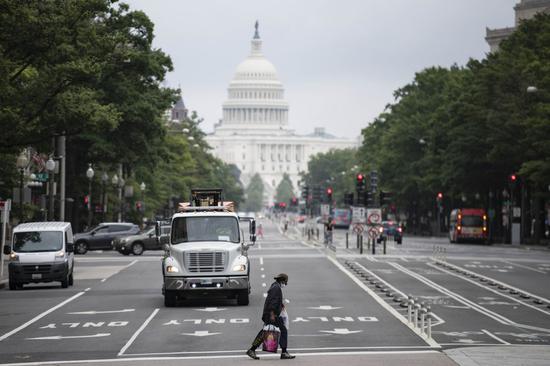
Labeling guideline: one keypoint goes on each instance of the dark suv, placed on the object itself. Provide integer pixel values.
(390, 229)
(101, 236)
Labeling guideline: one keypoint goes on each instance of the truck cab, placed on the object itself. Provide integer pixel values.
(207, 253)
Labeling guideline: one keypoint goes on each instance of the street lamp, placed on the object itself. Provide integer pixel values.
(21, 164)
(90, 176)
(50, 167)
(532, 89)
(142, 187)
(104, 180)
(114, 181)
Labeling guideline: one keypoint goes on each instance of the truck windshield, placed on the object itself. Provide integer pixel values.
(472, 221)
(189, 229)
(37, 241)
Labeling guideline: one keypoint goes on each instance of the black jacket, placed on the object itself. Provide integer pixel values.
(273, 302)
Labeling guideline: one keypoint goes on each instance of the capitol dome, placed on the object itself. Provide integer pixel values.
(255, 96)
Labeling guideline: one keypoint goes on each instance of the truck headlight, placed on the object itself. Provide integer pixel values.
(60, 254)
(172, 269)
(14, 257)
(239, 268)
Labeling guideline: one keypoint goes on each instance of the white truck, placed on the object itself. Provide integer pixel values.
(207, 254)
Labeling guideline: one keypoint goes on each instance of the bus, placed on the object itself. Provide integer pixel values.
(342, 217)
(468, 224)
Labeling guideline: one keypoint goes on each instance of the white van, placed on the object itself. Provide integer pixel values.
(41, 252)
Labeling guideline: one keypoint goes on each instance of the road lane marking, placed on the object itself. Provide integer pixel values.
(482, 310)
(117, 272)
(522, 266)
(348, 350)
(495, 337)
(515, 300)
(40, 316)
(136, 334)
(439, 319)
(264, 284)
(91, 312)
(263, 275)
(383, 303)
(200, 333)
(70, 337)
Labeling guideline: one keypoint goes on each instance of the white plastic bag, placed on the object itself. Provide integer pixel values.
(284, 317)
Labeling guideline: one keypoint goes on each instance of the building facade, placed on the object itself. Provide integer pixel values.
(525, 9)
(254, 132)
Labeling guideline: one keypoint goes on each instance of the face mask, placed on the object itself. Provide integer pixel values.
(283, 284)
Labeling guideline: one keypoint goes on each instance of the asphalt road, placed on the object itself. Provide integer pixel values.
(480, 296)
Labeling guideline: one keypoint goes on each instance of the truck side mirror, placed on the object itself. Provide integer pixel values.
(7, 250)
(69, 247)
(157, 228)
(253, 231)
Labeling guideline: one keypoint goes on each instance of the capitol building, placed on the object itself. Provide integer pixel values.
(254, 132)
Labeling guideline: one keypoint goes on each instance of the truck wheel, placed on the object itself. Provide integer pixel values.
(137, 249)
(81, 247)
(65, 282)
(170, 299)
(242, 298)
(13, 285)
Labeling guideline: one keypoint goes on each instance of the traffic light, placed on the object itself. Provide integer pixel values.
(317, 194)
(360, 182)
(294, 201)
(305, 192)
(87, 201)
(348, 198)
(138, 206)
(385, 197)
(440, 196)
(329, 194)
(369, 199)
(373, 180)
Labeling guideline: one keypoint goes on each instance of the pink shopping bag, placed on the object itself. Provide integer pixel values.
(271, 338)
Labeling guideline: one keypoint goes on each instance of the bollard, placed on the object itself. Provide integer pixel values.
(416, 311)
(361, 244)
(410, 305)
(317, 234)
(429, 317)
(347, 242)
(373, 246)
(309, 234)
(423, 313)
(357, 241)
(385, 246)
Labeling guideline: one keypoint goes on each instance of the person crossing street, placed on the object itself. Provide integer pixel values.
(273, 307)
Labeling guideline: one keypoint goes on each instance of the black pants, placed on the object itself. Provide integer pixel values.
(283, 338)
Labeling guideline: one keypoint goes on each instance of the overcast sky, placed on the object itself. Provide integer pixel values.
(339, 60)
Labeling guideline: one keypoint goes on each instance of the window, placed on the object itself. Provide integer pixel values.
(188, 229)
(38, 241)
(117, 228)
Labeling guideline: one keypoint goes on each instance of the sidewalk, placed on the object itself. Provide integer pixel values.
(501, 356)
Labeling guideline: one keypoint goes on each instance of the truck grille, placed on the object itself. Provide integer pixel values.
(205, 261)
(37, 268)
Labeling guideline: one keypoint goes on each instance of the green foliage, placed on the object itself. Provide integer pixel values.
(87, 69)
(463, 130)
(284, 191)
(336, 169)
(254, 194)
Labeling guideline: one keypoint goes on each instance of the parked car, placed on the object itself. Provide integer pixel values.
(102, 235)
(41, 252)
(145, 240)
(391, 229)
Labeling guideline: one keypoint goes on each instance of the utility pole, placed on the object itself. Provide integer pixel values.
(61, 149)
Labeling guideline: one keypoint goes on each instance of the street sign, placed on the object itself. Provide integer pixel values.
(325, 212)
(358, 214)
(41, 177)
(358, 228)
(373, 232)
(374, 216)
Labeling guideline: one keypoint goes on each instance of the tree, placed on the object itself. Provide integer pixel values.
(254, 194)
(284, 191)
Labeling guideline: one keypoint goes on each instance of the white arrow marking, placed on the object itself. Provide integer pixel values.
(341, 331)
(209, 310)
(70, 337)
(325, 307)
(102, 312)
(200, 333)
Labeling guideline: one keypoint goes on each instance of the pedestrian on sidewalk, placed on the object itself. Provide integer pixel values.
(273, 307)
